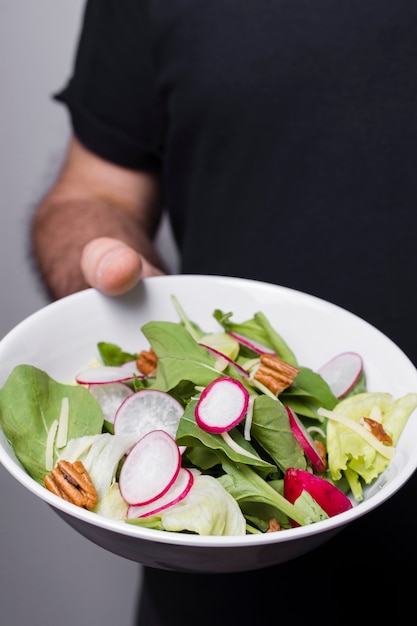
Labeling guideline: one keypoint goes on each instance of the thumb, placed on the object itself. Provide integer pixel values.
(112, 267)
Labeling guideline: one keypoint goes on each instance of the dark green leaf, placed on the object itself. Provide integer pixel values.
(180, 357)
(271, 428)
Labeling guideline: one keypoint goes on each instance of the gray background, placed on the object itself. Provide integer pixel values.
(49, 574)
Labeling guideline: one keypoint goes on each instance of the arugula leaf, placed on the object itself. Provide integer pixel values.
(259, 329)
(194, 329)
(275, 340)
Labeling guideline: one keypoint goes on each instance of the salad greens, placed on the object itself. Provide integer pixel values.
(350, 454)
(238, 479)
(30, 408)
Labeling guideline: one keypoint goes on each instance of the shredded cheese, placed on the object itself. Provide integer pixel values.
(316, 429)
(248, 418)
(49, 450)
(386, 451)
(236, 447)
(62, 434)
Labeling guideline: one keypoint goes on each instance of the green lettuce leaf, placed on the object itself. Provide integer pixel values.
(208, 509)
(347, 450)
(271, 428)
(180, 357)
(30, 402)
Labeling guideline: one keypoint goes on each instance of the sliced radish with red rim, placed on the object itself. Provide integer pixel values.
(103, 375)
(222, 405)
(342, 372)
(131, 365)
(240, 370)
(146, 410)
(306, 442)
(177, 492)
(150, 468)
(254, 345)
(110, 396)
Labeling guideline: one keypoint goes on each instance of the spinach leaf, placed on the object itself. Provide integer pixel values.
(245, 484)
(271, 429)
(190, 434)
(111, 354)
(180, 357)
(30, 401)
(308, 393)
(315, 386)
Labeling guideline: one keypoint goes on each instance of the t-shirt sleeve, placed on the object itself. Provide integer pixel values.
(111, 94)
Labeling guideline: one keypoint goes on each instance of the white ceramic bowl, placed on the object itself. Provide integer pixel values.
(62, 337)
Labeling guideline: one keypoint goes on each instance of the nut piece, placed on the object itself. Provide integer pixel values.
(321, 449)
(273, 525)
(275, 373)
(377, 429)
(71, 482)
(147, 362)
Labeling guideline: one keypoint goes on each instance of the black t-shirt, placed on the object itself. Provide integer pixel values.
(285, 132)
(285, 135)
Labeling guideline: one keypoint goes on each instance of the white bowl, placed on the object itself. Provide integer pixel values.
(62, 337)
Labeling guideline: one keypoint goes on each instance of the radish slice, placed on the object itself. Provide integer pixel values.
(130, 365)
(222, 405)
(342, 372)
(110, 397)
(175, 494)
(146, 410)
(256, 346)
(305, 441)
(327, 496)
(150, 468)
(240, 370)
(103, 375)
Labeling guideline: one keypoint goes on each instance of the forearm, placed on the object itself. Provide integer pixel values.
(61, 228)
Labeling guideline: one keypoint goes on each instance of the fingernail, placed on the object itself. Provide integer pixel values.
(108, 258)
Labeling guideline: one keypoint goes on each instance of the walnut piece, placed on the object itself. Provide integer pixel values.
(147, 362)
(72, 482)
(274, 373)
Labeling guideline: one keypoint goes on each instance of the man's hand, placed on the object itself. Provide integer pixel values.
(112, 267)
(96, 226)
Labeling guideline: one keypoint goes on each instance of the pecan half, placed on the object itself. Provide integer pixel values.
(147, 362)
(377, 429)
(273, 525)
(72, 482)
(321, 449)
(275, 373)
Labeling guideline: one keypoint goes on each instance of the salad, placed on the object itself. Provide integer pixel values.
(213, 433)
